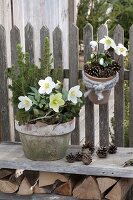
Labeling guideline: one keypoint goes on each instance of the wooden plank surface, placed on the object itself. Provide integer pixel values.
(12, 157)
(119, 93)
(34, 197)
(103, 109)
(73, 71)
(89, 106)
(4, 110)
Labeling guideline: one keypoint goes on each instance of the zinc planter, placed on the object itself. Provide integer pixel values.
(99, 88)
(45, 142)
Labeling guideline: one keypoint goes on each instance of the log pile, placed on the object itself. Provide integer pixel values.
(82, 187)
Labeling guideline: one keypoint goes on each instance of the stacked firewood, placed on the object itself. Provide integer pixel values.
(79, 186)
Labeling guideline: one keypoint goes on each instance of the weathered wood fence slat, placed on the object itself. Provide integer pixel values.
(89, 106)
(29, 42)
(4, 111)
(73, 69)
(73, 74)
(103, 109)
(57, 47)
(119, 93)
(15, 39)
(131, 86)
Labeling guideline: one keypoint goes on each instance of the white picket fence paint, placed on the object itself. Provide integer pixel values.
(50, 13)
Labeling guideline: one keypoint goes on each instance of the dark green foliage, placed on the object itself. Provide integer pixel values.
(93, 12)
(46, 60)
(57, 74)
(23, 76)
(122, 14)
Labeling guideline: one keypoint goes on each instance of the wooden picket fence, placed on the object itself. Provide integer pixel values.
(73, 74)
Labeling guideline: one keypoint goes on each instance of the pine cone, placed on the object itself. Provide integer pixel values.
(78, 156)
(102, 152)
(86, 159)
(86, 156)
(86, 151)
(112, 149)
(90, 146)
(70, 158)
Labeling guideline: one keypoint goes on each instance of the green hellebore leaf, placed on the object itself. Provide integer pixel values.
(36, 112)
(37, 96)
(34, 89)
(40, 105)
(64, 94)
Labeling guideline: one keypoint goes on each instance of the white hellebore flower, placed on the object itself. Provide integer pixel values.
(74, 93)
(58, 85)
(101, 61)
(92, 55)
(121, 50)
(93, 45)
(108, 42)
(25, 103)
(46, 86)
(56, 101)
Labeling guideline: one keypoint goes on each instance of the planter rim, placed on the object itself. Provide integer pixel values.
(93, 78)
(43, 129)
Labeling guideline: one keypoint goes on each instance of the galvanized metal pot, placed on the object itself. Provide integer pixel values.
(45, 142)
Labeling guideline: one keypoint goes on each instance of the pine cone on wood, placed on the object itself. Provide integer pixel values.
(112, 149)
(70, 158)
(78, 156)
(102, 152)
(86, 151)
(86, 159)
(90, 146)
(86, 156)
